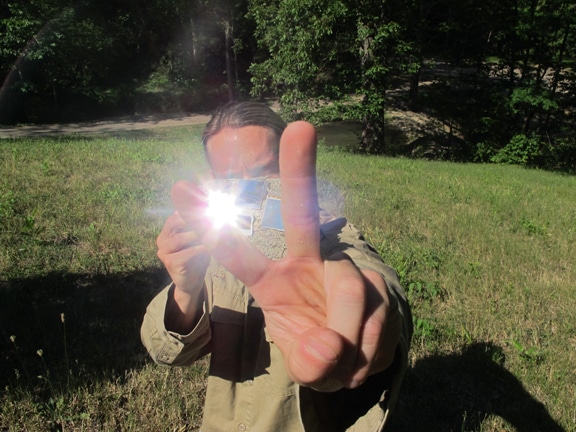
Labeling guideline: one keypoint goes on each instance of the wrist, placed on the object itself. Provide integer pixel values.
(183, 310)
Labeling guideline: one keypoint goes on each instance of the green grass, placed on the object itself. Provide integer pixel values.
(485, 252)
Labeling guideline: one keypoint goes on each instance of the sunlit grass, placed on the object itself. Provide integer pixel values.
(485, 252)
(106, 197)
(495, 245)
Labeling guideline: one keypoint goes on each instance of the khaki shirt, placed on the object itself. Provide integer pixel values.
(248, 387)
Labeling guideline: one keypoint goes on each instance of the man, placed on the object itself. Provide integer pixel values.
(314, 340)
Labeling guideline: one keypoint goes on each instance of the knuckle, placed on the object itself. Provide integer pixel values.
(163, 256)
(375, 279)
(373, 331)
(351, 290)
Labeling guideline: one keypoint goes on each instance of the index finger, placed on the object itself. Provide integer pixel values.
(227, 245)
(300, 212)
(173, 226)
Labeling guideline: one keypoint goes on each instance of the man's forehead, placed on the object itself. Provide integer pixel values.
(241, 137)
(242, 152)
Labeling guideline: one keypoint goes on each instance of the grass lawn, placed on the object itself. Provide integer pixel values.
(486, 253)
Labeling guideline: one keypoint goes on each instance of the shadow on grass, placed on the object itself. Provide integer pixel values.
(96, 337)
(99, 339)
(458, 392)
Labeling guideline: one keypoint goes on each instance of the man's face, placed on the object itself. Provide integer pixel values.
(242, 153)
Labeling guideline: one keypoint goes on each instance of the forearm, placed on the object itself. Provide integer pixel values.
(169, 347)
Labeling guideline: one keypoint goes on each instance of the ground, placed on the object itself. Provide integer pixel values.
(406, 127)
(110, 125)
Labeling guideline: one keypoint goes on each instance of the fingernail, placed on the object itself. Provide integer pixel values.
(321, 351)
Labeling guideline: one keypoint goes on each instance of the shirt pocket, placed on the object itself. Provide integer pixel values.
(227, 339)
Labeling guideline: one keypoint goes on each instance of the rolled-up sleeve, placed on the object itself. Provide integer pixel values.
(169, 348)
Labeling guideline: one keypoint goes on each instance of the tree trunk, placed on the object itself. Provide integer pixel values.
(413, 92)
(228, 55)
(367, 135)
(193, 43)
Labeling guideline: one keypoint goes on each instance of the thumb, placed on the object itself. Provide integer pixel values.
(313, 356)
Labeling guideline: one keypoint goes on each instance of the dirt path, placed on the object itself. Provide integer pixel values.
(104, 126)
(412, 124)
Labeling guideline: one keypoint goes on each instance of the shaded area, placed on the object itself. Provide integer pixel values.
(458, 392)
(111, 126)
(339, 133)
(97, 335)
(99, 339)
(406, 134)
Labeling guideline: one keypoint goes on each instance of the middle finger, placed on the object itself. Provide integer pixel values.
(346, 298)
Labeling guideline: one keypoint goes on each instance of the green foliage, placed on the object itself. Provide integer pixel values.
(533, 354)
(320, 52)
(17, 30)
(423, 329)
(303, 51)
(66, 60)
(563, 154)
(521, 150)
(421, 291)
(531, 96)
(532, 228)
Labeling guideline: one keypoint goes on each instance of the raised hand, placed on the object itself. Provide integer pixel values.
(334, 323)
(186, 260)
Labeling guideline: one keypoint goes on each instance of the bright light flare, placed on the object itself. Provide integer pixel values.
(221, 209)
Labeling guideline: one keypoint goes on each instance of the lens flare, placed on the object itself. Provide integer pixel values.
(222, 209)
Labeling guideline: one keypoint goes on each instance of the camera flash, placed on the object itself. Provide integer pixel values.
(221, 209)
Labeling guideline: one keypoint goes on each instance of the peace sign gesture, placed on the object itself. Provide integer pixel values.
(334, 323)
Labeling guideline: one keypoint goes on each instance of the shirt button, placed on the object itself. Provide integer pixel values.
(242, 427)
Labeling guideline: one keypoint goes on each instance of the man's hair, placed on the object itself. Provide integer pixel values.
(240, 114)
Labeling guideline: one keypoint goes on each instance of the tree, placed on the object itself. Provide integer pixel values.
(535, 54)
(518, 87)
(66, 58)
(385, 52)
(26, 35)
(326, 51)
(302, 55)
(233, 36)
